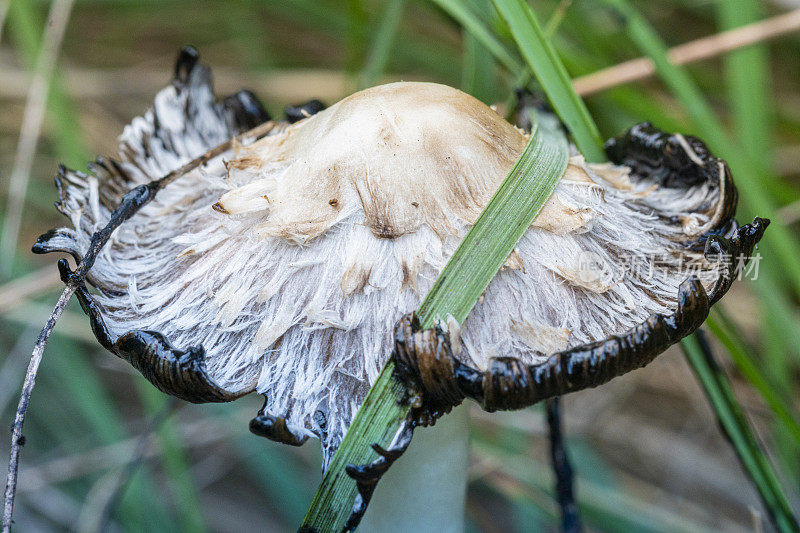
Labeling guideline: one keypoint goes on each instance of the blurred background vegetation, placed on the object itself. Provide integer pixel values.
(107, 452)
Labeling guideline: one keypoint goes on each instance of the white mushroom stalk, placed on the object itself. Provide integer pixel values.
(283, 265)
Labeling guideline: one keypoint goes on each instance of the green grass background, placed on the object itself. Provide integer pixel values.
(646, 448)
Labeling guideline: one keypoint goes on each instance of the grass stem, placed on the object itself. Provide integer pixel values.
(734, 424)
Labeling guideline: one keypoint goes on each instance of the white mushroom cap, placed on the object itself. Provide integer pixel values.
(291, 259)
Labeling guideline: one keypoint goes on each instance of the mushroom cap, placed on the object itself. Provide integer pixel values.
(405, 154)
(283, 265)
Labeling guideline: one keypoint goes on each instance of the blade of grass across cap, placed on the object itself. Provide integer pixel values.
(732, 419)
(485, 248)
(552, 76)
(498, 228)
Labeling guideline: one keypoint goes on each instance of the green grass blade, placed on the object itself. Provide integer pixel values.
(468, 272)
(779, 240)
(552, 76)
(356, 37)
(734, 423)
(381, 47)
(478, 75)
(377, 421)
(780, 368)
(557, 18)
(471, 21)
(507, 216)
(752, 113)
(746, 363)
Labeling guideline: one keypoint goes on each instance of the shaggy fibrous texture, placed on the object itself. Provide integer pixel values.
(291, 259)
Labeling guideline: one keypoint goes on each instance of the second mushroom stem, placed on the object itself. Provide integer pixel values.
(565, 491)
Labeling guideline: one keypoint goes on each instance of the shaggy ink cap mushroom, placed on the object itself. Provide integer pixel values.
(285, 265)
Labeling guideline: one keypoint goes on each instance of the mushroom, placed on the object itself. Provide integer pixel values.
(283, 265)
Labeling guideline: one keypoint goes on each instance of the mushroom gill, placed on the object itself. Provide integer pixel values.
(283, 266)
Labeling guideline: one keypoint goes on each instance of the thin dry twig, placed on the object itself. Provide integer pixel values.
(705, 48)
(17, 440)
(32, 120)
(130, 204)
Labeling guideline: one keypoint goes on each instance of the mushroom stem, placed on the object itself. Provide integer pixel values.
(425, 490)
(565, 492)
